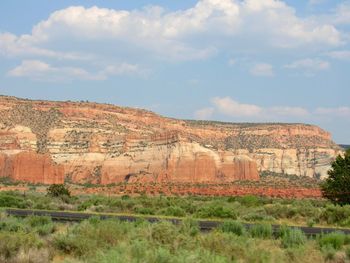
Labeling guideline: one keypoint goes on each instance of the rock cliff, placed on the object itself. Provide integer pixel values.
(81, 142)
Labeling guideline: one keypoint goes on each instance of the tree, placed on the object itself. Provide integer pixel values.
(58, 190)
(337, 186)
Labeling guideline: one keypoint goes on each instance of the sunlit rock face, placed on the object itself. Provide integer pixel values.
(52, 142)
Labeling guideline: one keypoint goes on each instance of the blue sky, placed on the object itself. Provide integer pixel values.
(229, 60)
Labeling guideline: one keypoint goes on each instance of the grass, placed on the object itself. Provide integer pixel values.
(96, 240)
(250, 209)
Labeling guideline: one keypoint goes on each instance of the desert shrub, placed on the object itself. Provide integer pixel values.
(310, 222)
(173, 211)
(11, 243)
(328, 252)
(12, 224)
(144, 210)
(218, 211)
(249, 200)
(189, 227)
(257, 216)
(41, 224)
(335, 214)
(10, 200)
(226, 244)
(261, 231)
(335, 240)
(35, 221)
(33, 255)
(58, 190)
(164, 232)
(234, 227)
(293, 237)
(87, 237)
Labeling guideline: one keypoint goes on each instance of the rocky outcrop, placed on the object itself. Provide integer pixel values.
(31, 167)
(43, 141)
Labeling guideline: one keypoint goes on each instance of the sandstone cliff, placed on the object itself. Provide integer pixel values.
(49, 142)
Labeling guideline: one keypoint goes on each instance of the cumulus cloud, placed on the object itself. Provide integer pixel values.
(238, 111)
(175, 35)
(342, 14)
(262, 70)
(39, 70)
(204, 114)
(231, 107)
(151, 34)
(308, 65)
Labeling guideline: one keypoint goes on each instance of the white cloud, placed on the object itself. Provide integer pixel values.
(340, 54)
(309, 65)
(233, 108)
(238, 111)
(99, 36)
(262, 69)
(250, 112)
(39, 70)
(342, 14)
(204, 114)
(194, 33)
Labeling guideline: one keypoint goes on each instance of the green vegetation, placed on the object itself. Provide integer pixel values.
(250, 209)
(96, 240)
(336, 186)
(58, 190)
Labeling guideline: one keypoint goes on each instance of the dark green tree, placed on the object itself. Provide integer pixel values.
(58, 190)
(337, 186)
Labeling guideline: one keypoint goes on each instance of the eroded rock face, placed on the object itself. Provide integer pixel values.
(43, 141)
(31, 167)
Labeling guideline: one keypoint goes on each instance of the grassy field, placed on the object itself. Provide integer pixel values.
(38, 239)
(251, 209)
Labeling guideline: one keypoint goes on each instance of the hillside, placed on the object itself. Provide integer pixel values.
(81, 142)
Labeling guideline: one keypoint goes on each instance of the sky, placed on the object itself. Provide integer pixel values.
(226, 60)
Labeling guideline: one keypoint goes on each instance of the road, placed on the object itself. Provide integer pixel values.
(205, 225)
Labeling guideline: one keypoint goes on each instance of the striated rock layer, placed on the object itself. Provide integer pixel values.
(53, 142)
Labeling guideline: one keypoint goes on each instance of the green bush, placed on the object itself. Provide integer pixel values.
(87, 237)
(216, 210)
(335, 240)
(11, 243)
(58, 190)
(249, 200)
(173, 211)
(13, 224)
(261, 231)
(189, 227)
(293, 238)
(234, 227)
(164, 232)
(9, 200)
(328, 252)
(335, 214)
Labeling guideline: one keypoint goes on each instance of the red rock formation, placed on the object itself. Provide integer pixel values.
(103, 144)
(31, 167)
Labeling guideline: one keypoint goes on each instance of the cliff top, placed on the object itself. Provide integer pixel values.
(42, 116)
